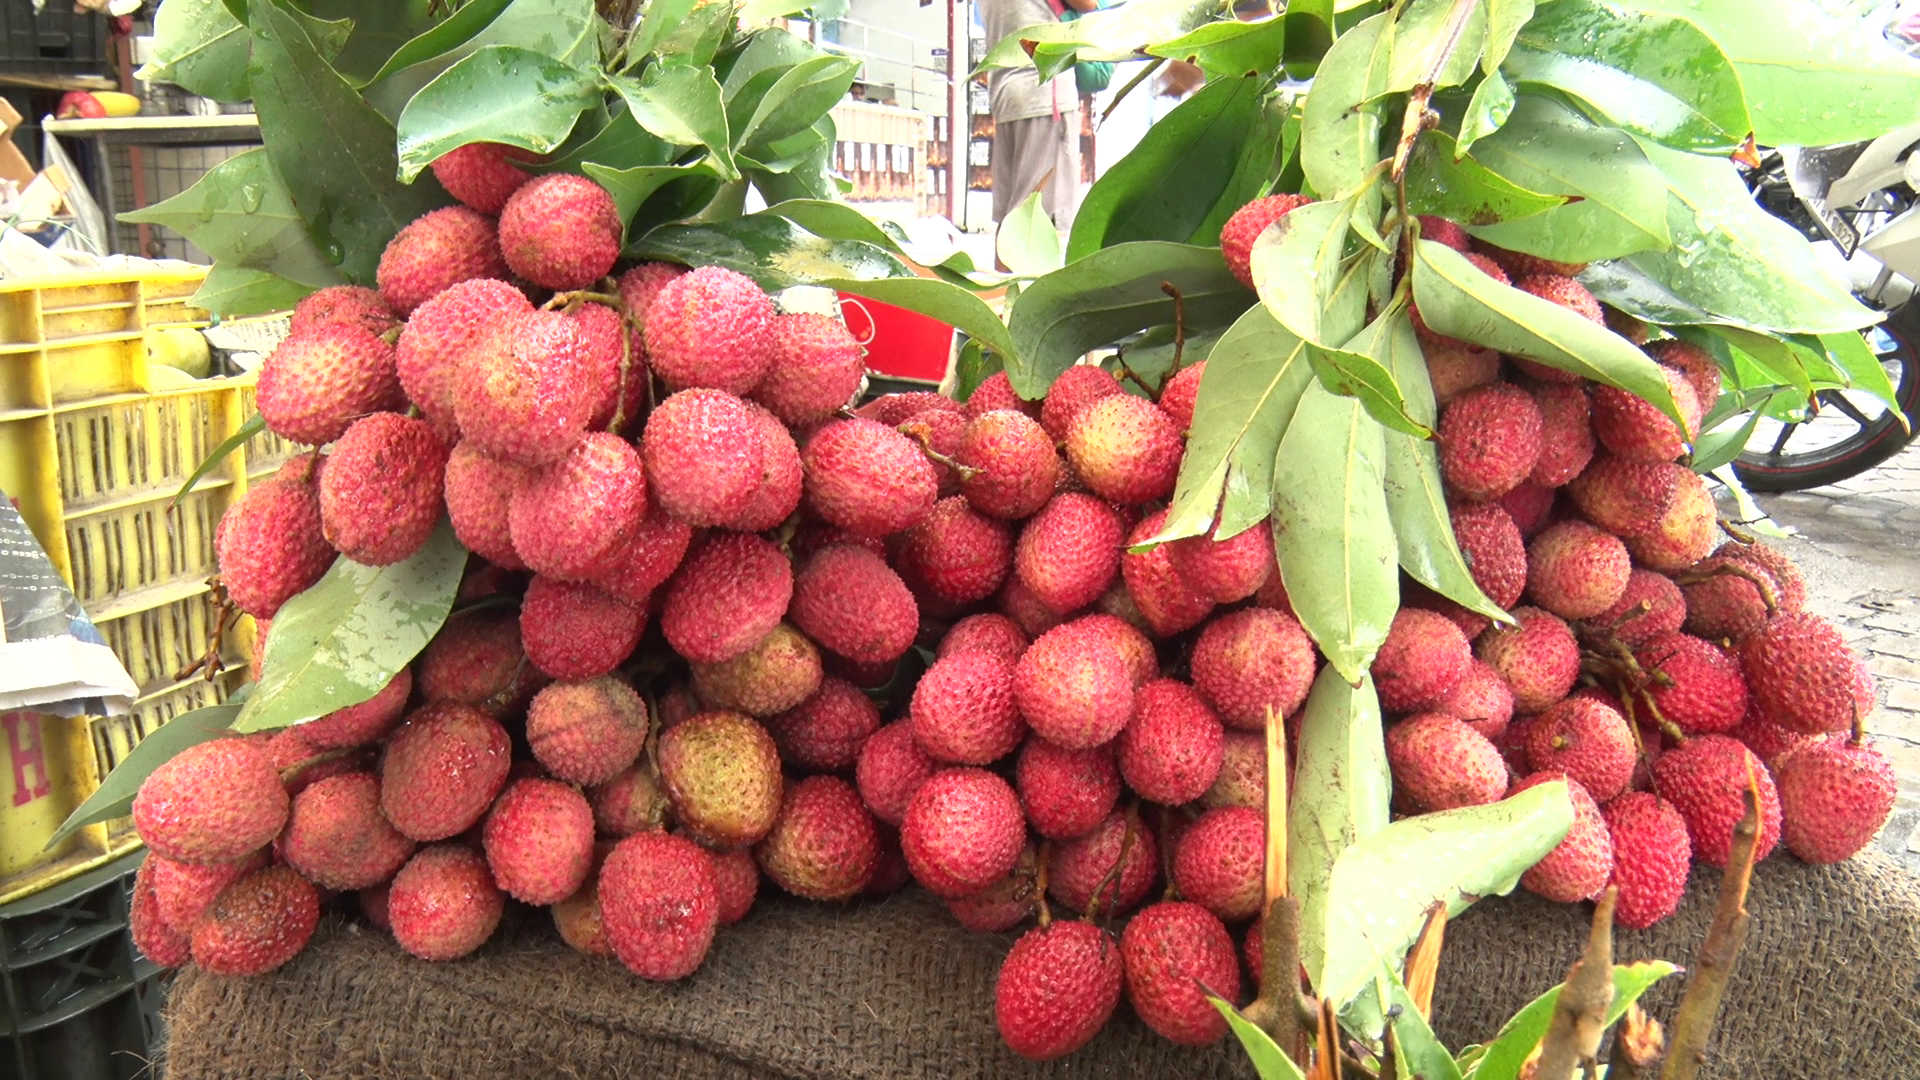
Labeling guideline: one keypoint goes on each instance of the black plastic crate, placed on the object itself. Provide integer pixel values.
(54, 41)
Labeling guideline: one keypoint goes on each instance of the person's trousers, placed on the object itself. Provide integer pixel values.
(1038, 154)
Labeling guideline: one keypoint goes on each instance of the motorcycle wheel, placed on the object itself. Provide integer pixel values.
(1845, 439)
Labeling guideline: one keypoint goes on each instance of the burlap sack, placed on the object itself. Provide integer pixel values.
(1829, 986)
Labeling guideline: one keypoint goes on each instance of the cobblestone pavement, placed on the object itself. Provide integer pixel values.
(1859, 544)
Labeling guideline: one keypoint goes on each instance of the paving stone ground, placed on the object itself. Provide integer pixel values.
(1859, 544)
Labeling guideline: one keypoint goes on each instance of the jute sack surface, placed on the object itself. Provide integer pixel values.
(1829, 986)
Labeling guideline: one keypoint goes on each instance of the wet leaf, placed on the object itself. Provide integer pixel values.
(443, 37)
(241, 213)
(500, 94)
(200, 47)
(341, 641)
(1340, 130)
(114, 797)
(1488, 109)
(1229, 47)
(237, 290)
(1424, 29)
(768, 248)
(1341, 792)
(1331, 528)
(1504, 1056)
(1852, 355)
(801, 95)
(682, 105)
(1504, 20)
(1440, 181)
(631, 188)
(1027, 242)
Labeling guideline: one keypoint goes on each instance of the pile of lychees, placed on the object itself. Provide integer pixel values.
(718, 565)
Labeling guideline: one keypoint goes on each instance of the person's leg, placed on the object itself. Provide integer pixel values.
(1026, 159)
(1009, 138)
(1062, 150)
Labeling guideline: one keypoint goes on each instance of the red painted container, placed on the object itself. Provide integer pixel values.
(900, 343)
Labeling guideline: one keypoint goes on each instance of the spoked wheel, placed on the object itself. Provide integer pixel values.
(1851, 432)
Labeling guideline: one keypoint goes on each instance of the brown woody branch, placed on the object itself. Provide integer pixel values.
(1700, 1008)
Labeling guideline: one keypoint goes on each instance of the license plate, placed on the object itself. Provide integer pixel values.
(1837, 226)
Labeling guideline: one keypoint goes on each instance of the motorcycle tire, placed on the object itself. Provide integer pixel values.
(1877, 440)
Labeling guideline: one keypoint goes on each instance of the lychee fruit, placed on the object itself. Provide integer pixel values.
(1566, 433)
(647, 558)
(1538, 657)
(1220, 862)
(1010, 468)
(736, 880)
(1578, 867)
(1066, 793)
(1074, 389)
(1530, 506)
(1685, 533)
(1245, 226)
(483, 175)
(1071, 691)
(996, 392)
(156, 939)
(1575, 570)
(440, 337)
(659, 899)
(575, 631)
(438, 249)
(781, 478)
(891, 769)
(958, 554)
(867, 478)
(1490, 439)
(1704, 779)
(1650, 607)
(1170, 752)
(1057, 989)
(1834, 797)
(570, 516)
(1177, 953)
(1633, 428)
(726, 598)
(823, 845)
(1493, 548)
(1243, 773)
(711, 328)
(1793, 588)
(1724, 598)
(258, 923)
(615, 360)
(577, 918)
(560, 231)
(349, 305)
(629, 803)
(963, 711)
(589, 731)
(1651, 856)
(479, 496)
(1587, 740)
(815, 366)
(1166, 600)
(380, 493)
(524, 394)
(1696, 684)
(722, 772)
(183, 891)
(213, 802)
(1087, 863)
(773, 676)
(315, 384)
(988, 632)
(1480, 699)
(1423, 659)
(337, 838)
(828, 730)
(1226, 571)
(271, 546)
(1180, 394)
(441, 770)
(1439, 763)
(641, 284)
(850, 601)
(539, 840)
(703, 456)
(1002, 905)
(1250, 660)
(1125, 449)
(963, 830)
(477, 659)
(1626, 497)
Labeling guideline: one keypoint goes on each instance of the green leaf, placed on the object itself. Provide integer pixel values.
(1546, 147)
(1454, 857)
(1621, 284)
(1654, 74)
(1808, 78)
(682, 105)
(500, 94)
(1253, 381)
(657, 21)
(770, 249)
(200, 47)
(1359, 370)
(1110, 294)
(1783, 363)
(1261, 165)
(769, 52)
(692, 36)
(114, 797)
(620, 143)
(241, 213)
(631, 188)
(1508, 1051)
(1504, 20)
(1421, 1052)
(1269, 1061)
(332, 150)
(254, 425)
(1852, 355)
(564, 30)
(378, 31)
(799, 97)
(341, 641)
(1720, 446)
(1441, 181)
(1027, 242)
(1488, 109)
(1332, 531)
(1114, 34)
(973, 366)
(1459, 300)
(1425, 28)
(1229, 47)
(1310, 33)
(1299, 273)
(1174, 177)
(444, 37)
(230, 290)
(1737, 261)
(937, 299)
(1416, 500)
(1340, 131)
(1341, 790)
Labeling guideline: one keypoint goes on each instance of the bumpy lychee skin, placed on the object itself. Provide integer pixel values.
(1087, 862)
(867, 478)
(1576, 570)
(1793, 588)
(1625, 497)
(479, 497)
(1480, 699)
(1548, 283)
(1698, 686)
(1633, 428)
(988, 632)
(1125, 449)
(1566, 433)
(1650, 607)
(577, 918)
(631, 802)
(337, 838)
(1071, 690)
(777, 674)
(647, 558)
(703, 456)
(442, 769)
(1248, 660)
(1651, 856)
(814, 367)
(483, 175)
(1057, 989)
(444, 902)
(827, 730)
(1226, 571)
(1246, 225)
(588, 731)
(736, 879)
(896, 409)
(380, 494)
(1802, 673)
(183, 891)
(1172, 951)
(560, 231)
(615, 362)
(1703, 778)
(1530, 506)
(1834, 797)
(212, 802)
(712, 328)
(575, 631)
(1439, 763)
(1724, 598)
(257, 924)
(1769, 741)
(1220, 862)
(1074, 389)
(1578, 867)
(438, 249)
(568, 517)
(523, 395)
(1243, 773)
(1589, 741)
(1489, 441)
(1070, 551)
(1685, 533)
(1167, 602)
(477, 659)
(271, 546)
(1170, 751)
(660, 901)
(1702, 372)
(722, 771)
(823, 845)
(1066, 793)
(995, 393)
(1014, 468)
(957, 553)
(1180, 393)
(539, 840)
(1495, 552)
(891, 769)
(157, 940)
(435, 342)
(726, 598)
(963, 831)
(315, 384)
(963, 711)
(1539, 658)
(353, 305)
(1003, 905)
(851, 602)
(641, 284)
(1455, 367)
(1422, 660)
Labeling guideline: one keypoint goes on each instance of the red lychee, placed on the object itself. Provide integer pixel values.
(560, 231)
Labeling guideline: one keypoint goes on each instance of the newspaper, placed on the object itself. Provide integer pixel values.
(52, 659)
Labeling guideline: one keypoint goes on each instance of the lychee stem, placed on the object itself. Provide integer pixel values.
(1700, 1007)
(921, 436)
(1179, 327)
(1040, 882)
(1760, 583)
(1115, 875)
(1859, 730)
(1579, 1018)
(571, 301)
